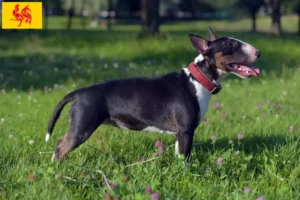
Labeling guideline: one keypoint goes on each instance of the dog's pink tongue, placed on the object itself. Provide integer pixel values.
(249, 69)
(256, 70)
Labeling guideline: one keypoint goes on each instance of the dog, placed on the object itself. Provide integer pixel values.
(174, 103)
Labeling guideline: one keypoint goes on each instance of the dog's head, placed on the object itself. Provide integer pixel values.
(226, 54)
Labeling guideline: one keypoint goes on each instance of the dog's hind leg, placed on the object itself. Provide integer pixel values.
(184, 144)
(83, 122)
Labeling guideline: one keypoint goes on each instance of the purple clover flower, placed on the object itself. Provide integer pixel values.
(161, 150)
(220, 161)
(217, 106)
(224, 116)
(247, 190)
(240, 136)
(57, 176)
(107, 196)
(155, 196)
(158, 144)
(148, 190)
(213, 137)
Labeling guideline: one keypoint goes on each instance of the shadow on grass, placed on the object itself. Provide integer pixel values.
(254, 145)
(40, 71)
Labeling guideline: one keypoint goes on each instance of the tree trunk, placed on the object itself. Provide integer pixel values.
(133, 8)
(298, 23)
(276, 17)
(71, 14)
(150, 17)
(253, 17)
(58, 8)
(298, 11)
(109, 19)
(191, 8)
(46, 15)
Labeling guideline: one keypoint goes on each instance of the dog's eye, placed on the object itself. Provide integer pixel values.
(230, 44)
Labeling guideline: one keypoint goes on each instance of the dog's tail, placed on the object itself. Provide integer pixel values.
(69, 97)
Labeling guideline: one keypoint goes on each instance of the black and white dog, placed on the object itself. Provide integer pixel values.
(173, 103)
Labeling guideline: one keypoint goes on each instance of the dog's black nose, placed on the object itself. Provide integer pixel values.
(257, 53)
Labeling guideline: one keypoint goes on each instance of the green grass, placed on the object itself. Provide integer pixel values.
(38, 68)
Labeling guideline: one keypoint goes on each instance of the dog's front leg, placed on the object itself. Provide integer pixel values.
(183, 145)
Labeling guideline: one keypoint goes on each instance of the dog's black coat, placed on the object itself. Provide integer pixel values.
(168, 102)
(137, 103)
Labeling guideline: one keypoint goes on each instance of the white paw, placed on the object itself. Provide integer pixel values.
(53, 157)
(177, 149)
(47, 137)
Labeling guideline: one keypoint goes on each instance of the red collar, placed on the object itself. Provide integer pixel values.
(201, 78)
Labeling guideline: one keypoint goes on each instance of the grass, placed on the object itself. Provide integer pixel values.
(38, 68)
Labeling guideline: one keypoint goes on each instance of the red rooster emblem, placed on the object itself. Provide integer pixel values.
(25, 14)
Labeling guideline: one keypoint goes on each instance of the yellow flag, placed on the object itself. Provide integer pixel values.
(22, 15)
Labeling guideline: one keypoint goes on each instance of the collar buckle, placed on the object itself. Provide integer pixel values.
(216, 90)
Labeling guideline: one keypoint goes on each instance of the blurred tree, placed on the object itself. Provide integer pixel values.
(293, 6)
(298, 12)
(150, 17)
(46, 6)
(189, 5)
(71, 14)
(253, 7)
(222, 9)
(276, 16)
(109, 18)
(134, 6)
(58, 7)
(221, 4)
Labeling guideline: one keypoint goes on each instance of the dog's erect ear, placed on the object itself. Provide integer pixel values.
(199, 43)
(212, 35)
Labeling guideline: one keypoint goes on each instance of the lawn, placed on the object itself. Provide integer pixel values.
(37, 68)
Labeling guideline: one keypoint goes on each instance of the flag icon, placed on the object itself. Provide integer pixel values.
(22, 15)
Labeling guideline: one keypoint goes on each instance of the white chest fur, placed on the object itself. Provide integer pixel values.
(202, 94)
(154, 129)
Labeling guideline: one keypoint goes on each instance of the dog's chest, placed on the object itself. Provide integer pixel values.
(202, 95)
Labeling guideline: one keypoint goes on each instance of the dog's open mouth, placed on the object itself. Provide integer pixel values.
(243, 70)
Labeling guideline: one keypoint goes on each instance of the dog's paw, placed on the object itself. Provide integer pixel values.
(177, 149)
(53, 159)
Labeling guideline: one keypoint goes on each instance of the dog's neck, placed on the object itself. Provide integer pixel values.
(204, 65)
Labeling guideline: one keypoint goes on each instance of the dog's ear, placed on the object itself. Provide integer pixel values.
(212, 35)
(199, 43)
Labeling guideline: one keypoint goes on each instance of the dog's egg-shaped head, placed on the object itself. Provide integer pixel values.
(227, 54)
